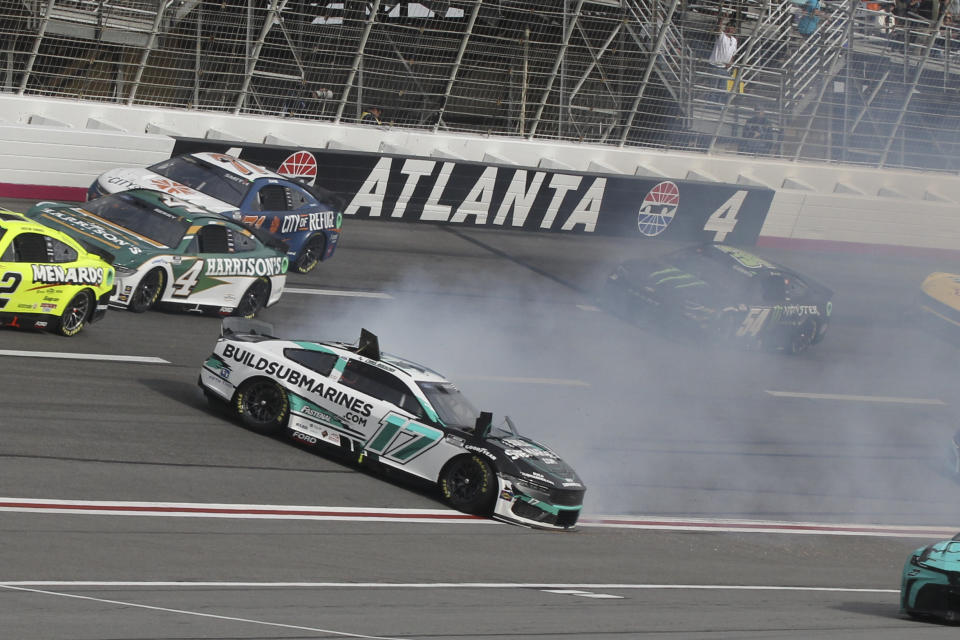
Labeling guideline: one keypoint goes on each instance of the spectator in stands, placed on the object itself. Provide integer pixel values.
(810, 16)
(724, 49)
(758, 134)
(371, 116)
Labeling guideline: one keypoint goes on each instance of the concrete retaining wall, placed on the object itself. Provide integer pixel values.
(52, 144)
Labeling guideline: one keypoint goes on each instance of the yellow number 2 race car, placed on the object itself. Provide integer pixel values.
(48, 280)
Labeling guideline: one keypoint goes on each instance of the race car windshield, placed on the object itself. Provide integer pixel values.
(207, 179)
(140, 217)
(451, 405)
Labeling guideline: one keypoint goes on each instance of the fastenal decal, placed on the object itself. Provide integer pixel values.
(246, 266)
(53, 274)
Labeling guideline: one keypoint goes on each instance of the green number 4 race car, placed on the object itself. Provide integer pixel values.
(931, 582)
(48, 280)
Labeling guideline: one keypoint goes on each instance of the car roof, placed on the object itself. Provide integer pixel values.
(18, 222)
(171, 204)
(216, 159)
(394, 364)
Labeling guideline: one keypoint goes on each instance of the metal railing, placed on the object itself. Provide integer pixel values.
(866, 87)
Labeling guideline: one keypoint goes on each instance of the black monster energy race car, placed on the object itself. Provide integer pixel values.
(387, 411)
(724, 292)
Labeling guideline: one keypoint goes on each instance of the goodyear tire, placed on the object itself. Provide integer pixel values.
(469, 484)
(262, 405)
(803, 337)
(75, 316)
(311, 254)
(147, 292)
(254, 298)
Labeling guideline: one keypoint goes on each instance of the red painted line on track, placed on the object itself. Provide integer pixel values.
(237, 511)
(42, 192)
(760, 526)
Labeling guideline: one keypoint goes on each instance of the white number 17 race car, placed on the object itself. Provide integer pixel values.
(380, 409)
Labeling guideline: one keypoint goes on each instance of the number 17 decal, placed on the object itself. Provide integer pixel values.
(401, 439)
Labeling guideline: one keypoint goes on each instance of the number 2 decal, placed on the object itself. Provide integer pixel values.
(183, 286)
(9, 282)
(724, 219)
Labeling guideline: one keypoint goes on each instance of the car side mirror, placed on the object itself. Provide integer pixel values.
(483, 424)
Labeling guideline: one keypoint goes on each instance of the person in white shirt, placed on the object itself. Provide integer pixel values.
(724, 49)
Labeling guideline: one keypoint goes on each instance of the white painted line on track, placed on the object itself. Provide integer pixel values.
(563, 382)
(343, 634)
(338, 292)
(854, 398)
(374, 514)
(26, 585)
(82, 356)
(588, 307)
(584, 594)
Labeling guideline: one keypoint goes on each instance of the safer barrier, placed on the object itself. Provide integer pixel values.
(418, 189)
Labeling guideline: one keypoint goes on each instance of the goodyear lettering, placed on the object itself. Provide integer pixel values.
(245, 266)
(308, 222)
(55, 274)
(297, 379)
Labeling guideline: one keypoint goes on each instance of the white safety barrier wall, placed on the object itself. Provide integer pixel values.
(55, 148)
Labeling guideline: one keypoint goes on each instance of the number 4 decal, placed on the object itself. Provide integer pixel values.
(183, 285)
(724, 219)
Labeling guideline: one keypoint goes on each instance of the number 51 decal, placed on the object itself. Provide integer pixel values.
(401, 439)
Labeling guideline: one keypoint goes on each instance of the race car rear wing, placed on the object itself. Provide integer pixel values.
(245, 326)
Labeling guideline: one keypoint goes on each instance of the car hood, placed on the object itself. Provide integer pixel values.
(128, 249)
(532, 460)
(944, 556)
(125, 179)
(943, 287)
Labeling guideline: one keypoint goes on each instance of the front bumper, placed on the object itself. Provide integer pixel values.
(543, 508)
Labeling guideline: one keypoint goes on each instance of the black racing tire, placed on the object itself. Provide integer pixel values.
(254, 298)
(76, 314)
(262, 405)
(469, 484)
(148, 291)
(310, 254)
(803, 337)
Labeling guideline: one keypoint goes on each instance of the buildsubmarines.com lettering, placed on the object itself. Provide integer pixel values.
(297, 379)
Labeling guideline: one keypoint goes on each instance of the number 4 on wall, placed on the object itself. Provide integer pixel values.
(724, 219)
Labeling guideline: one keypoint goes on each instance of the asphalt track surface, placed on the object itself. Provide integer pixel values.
(853, 431)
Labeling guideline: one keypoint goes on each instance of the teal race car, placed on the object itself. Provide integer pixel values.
(931, 582)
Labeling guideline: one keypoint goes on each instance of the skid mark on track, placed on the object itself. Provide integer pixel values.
(82, 356)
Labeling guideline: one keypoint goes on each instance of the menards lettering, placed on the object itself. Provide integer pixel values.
(245, 266)
(309, 221)
(54, 274)
(297, 379)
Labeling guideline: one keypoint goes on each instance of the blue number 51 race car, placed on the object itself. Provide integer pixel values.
(381, 409)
